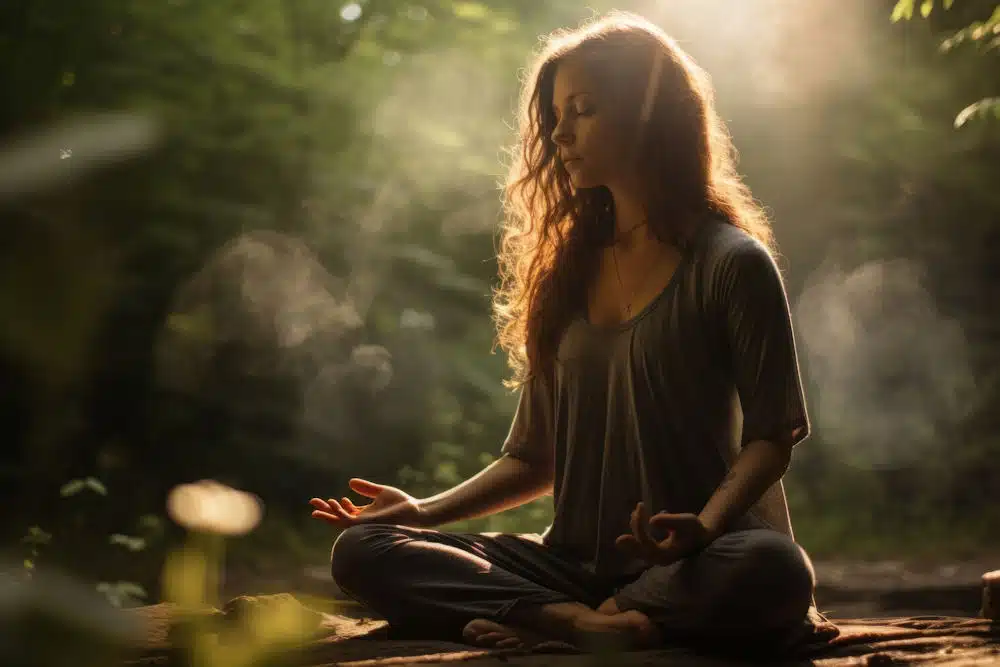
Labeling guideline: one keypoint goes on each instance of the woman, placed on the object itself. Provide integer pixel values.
(649, 333)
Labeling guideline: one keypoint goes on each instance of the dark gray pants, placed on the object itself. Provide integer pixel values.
(750, 585)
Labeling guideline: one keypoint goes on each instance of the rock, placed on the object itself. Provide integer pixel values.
(257, 609)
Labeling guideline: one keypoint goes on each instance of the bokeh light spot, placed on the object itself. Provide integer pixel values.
(350, 12)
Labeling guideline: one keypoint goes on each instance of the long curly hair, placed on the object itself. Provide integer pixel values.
(552, 235)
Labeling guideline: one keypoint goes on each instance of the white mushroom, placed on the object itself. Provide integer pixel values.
(210, 507)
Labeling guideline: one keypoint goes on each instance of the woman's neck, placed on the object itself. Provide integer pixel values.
(631, 222)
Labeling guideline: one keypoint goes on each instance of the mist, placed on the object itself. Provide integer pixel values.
(890, 374)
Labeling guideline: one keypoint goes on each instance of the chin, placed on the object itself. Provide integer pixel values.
(581, 182)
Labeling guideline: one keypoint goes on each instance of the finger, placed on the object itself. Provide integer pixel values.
(366, 488)
(639, 522)
(646, 547)
(668, 521)
(633, 522)
(320, 504)
(336, 509)
(349, 506)
(628, 544)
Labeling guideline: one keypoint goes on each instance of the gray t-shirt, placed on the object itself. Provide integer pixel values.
(657, 408)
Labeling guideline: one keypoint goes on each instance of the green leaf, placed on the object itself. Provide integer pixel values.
(902, 10)
(948, 3)
(96, 486)
(976, 32)
(71, 488)
(36, 536)
(981, 109)
(75, 486)
(131, 543)
(926, 7)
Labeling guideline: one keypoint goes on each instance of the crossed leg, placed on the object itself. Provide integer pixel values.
(518, 591)
(754, 583)
(522, 593)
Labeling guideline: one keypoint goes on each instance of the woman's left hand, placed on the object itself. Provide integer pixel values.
(686, 535)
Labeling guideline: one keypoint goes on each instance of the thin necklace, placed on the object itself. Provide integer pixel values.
(622, 235)
(629, 295)
(629, 298)
(621, 285)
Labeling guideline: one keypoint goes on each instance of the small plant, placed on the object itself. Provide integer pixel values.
(118, 593)
(35, 539)
(130, 593)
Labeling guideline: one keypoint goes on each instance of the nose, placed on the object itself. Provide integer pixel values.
(562, 134)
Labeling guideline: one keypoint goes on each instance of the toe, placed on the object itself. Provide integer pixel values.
(483, 632)
(492, 638)
(510, 642)
(478, 626)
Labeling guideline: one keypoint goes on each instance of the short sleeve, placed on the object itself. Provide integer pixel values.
(761, 346)
(530, 436)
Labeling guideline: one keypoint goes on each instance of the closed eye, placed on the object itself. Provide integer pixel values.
(578, 104)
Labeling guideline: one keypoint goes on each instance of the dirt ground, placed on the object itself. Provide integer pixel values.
(349, 642)
(888, 612)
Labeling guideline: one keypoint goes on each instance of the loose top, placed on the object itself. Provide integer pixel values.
(657, 408)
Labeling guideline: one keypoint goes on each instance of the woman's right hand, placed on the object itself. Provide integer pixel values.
(388, 505)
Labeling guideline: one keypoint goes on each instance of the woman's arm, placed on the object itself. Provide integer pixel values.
(762, 356)
(506, 483)
(759, 466)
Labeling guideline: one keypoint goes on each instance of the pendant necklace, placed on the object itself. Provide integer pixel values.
(621, 284)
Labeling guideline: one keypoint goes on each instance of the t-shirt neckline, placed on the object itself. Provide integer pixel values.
(686, 253)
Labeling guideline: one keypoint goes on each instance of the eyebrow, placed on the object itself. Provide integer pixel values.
(569, 98)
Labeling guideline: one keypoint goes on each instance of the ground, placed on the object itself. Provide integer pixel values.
(341, 640)
(888, 613)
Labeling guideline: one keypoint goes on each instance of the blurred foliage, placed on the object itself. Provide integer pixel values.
(119, 593)
(255, 243)
(55, 621)
(983, 33)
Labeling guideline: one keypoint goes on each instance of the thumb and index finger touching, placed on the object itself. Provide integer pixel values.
(669, 521)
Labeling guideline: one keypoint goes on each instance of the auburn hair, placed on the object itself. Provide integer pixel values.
(552, 235)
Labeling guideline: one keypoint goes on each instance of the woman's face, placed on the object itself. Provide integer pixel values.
(587, 135)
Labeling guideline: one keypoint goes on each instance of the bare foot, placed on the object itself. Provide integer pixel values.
(628, 630)
(483, 632)
(625, 631)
